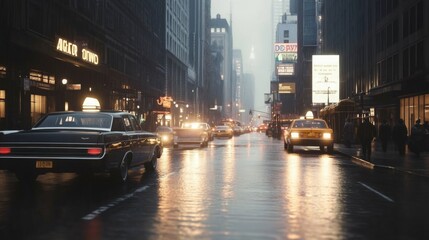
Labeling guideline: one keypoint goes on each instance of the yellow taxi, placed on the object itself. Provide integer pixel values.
(309, 132)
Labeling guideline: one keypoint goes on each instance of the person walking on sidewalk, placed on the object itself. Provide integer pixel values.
(348, 132)
(366, 133)
(384, 133)
(417, 138)
(399, 135)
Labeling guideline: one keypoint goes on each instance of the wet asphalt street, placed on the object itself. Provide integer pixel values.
(246, 187)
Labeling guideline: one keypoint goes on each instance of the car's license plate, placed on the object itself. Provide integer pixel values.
(44, 164)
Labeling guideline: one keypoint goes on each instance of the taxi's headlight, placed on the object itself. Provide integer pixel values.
(326, 136)
(165, 138)
(294, 135)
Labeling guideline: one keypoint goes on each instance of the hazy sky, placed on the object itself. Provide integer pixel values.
(251, 26)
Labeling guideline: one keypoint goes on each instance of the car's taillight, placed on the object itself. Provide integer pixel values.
(95, 151)
(5, 150)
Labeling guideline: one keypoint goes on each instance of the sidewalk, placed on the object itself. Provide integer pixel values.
(391, 159)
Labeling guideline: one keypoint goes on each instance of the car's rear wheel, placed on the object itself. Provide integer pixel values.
(26, 176)
(121, 173)
(322, 148)
(151, 165)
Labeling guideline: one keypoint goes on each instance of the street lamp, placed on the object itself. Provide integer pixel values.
(328, 95)
(64, 82)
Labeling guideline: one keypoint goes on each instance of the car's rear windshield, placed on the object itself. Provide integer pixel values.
(309, 124)
(163, 129)
(89, 120)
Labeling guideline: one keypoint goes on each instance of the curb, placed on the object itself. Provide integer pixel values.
(369, 165)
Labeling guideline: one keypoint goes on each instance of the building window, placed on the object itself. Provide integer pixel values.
(38, 107)
(2, 103)
(413, 108)
(286, 33)
(2, 71)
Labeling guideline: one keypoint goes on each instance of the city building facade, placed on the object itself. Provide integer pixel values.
(221, 41)
(384, 51)
(54, 54)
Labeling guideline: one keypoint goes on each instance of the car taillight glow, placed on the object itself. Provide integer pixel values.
(95, 151)
(5, 150)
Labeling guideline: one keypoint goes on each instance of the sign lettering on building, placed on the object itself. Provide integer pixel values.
(72, 49)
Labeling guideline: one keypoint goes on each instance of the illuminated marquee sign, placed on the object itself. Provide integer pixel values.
(72, 49)
(285, 69)
(287, 87)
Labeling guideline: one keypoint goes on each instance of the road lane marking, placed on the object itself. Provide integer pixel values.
(377, 192)
(117, 201)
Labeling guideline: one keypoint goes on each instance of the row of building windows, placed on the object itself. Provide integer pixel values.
(384, 8)
(413, 19)
(218, 30)
(387, 36)
(388, 70)
(413, 59)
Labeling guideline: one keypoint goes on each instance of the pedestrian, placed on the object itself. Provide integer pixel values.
(348, 132)
(366, 134)
(399, 135)
(417, 138)
(384, 132)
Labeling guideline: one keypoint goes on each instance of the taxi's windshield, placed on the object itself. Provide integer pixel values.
(309, 124)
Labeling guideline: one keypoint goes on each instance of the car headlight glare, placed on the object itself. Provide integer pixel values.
(294, 135)
(326, 136)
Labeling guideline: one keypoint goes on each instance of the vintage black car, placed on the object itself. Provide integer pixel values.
(80, 142)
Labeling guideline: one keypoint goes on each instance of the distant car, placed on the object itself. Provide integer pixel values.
(262, 128)
(81, 142)
(223, 131)
(237, 130)
(166, 134)
(193, 133)
(309, 132)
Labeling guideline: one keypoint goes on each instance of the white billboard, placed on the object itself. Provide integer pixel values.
(326, 79)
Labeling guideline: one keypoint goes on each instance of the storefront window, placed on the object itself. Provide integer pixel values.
(2, 71)
(414, 108)
(2, 103)
(426, 107)
(38, 107)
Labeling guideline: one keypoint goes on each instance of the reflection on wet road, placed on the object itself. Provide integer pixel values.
(246, 187)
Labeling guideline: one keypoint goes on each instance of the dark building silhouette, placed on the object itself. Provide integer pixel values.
(383, 48)
(113, 51)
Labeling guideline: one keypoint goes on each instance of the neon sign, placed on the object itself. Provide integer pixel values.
(72, 49)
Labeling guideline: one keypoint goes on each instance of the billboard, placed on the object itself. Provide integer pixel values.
(285, 52)
(326, 78)
(285, 47)
(285, 69)
(287, 87)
